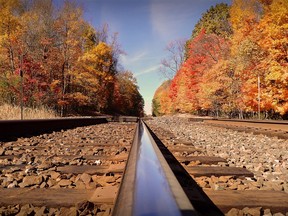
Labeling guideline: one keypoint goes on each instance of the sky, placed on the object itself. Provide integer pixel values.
(145, 27)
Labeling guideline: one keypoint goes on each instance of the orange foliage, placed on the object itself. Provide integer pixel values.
(66, 64)
(220, 75)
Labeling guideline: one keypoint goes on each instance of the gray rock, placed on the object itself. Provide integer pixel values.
(267, 212)
(252, 211)
(39, 211)
(9, 210)
(2, 151)
(13, 184)
(45, 165)
(26, 210)
(64, 182)
(86, 178)
(32, 180)
(53, 174)
(234, 212)
(80, 185)
(85, 207)
(68, 211)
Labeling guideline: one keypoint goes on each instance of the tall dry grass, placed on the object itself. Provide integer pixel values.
(9, 112)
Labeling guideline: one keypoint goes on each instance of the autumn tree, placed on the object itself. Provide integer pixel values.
(127, 99)
(236, 71)
(188, 88)
(161, 103)
(69, 27)
(94, 76)
(10, 30)
(273, 40)
(66, 63)
(213, 21)
(38, 38)
(246, 53)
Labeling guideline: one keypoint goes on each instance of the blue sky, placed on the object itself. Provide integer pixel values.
(145, 27)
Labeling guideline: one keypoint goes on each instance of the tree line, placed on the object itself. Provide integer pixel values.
(236, 64)
(61, 61)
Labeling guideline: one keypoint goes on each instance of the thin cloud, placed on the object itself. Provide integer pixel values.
(159, 17)
(128, 59)
(147, 71)
(166, 17)
(169, 17)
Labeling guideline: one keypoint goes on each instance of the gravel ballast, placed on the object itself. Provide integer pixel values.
(45, 162)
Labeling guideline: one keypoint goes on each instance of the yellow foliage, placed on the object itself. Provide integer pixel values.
(242, 10)
(79, 98)
(274, 26)
(9, 24)
(54, 84)
(97, 60)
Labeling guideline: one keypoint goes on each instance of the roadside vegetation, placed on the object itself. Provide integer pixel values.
(10, 112)
(51, 56)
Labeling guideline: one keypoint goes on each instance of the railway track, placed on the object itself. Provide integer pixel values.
(80, 171)
(231, 186)
(66, 172)
(267, 127)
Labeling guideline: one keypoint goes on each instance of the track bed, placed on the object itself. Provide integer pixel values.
(77, 171)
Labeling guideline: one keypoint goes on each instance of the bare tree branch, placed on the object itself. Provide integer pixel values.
(172, 63)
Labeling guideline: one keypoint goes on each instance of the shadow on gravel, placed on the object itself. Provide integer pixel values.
(201, 202)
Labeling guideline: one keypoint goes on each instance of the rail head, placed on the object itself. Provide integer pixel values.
(149, 186)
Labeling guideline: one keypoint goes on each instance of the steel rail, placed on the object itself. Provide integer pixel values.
(256, 121)
(149, 186)
(17, 128)
(265, 125)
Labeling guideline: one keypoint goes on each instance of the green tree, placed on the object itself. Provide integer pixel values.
(213, 21)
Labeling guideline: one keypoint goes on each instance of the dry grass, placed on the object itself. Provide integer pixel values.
(9, 112)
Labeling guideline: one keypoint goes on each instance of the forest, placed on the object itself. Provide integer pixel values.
(50, 56)
(235, 64)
